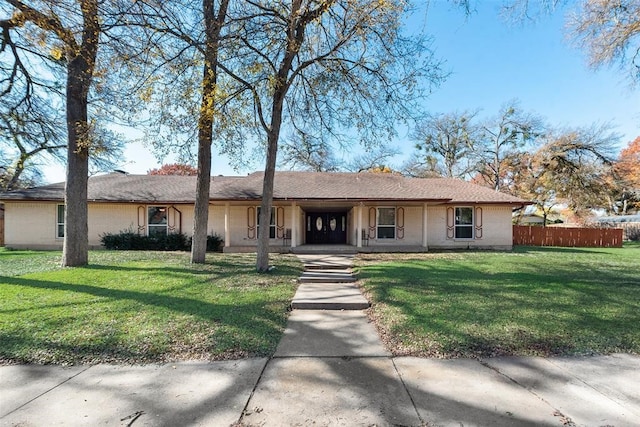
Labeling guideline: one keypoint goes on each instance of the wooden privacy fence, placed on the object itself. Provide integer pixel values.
(567, 237)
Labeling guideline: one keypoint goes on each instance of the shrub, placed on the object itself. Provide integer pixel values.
(174, 242)
(124, 241)
(128, 240)
(214, 243)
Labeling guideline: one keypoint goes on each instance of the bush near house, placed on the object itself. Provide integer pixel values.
(131, 241)
(214, 243)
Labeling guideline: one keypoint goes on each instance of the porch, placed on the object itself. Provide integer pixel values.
(330, 249)
(338, 226)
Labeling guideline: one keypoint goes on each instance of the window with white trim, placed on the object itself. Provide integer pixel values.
(272, 222)
(464, 223)
(60, 222)
(157, 221)
(386, 223)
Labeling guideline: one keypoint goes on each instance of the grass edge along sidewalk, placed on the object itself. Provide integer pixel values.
(532, 301)
(141, 307)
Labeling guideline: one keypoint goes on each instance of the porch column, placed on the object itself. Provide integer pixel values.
(424, 226)
(295, 219)
(359, 228)
(227, 232)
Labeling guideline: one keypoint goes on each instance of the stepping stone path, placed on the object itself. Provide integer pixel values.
(328, 283)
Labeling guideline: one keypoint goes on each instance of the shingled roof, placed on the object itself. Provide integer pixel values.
(117, 187)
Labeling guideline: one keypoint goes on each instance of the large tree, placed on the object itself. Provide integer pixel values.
(627, 178)
(306, 152)
(76, 27)
(179, 84)
(571, 167)
(51, 61)
(214, 21)
(500, 139)
(445, 145)
(338, 67)
(609, 30)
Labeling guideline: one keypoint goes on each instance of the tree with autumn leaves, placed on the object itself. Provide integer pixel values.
(174, 169)
(576, 169)
(627, 172)
(571, 167)
(516, 153)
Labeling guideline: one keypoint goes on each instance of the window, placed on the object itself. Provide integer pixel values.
(60, 222)
(157, 223)
(386, 223)
(272, 223)
(464, 223)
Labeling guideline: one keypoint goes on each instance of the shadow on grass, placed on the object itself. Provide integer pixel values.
(458, 310)
(237, 329)
(213, 268)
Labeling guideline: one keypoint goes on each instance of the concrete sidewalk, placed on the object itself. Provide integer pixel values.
(324, 391)
(330, 369)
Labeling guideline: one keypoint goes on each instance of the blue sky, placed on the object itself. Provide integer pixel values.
(492, 62)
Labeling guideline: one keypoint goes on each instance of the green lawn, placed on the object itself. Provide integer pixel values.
(532, 301)
(140, 307)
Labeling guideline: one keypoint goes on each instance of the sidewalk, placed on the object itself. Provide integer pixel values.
(330, 369)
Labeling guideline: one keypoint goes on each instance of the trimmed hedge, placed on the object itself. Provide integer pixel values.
(130, 241)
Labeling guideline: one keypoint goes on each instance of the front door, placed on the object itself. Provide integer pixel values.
(326, 228)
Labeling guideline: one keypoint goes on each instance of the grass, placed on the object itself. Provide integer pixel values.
(532, 301)
(140, 307)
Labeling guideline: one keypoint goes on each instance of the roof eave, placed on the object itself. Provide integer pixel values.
(325, 199)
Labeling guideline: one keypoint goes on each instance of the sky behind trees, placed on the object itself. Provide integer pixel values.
(492, 61)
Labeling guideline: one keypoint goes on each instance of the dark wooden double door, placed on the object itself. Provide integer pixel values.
(326, 228)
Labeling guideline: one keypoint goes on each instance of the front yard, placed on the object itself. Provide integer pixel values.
(150, 307)
(532, 301)
(140, 307)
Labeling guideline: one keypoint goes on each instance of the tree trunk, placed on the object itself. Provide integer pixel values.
(213, 26)
(262, 259)
(79, 75)
(76, 233)
(201, 208)
(295, 37)
(205, 135)
(17, 173)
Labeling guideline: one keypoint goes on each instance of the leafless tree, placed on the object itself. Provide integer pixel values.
(609, 30)
(445, 145)
(325, 68)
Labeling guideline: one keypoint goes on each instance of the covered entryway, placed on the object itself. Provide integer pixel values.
(326, 228)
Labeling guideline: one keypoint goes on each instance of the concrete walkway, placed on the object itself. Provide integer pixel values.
(328, 283)
(330, 369)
